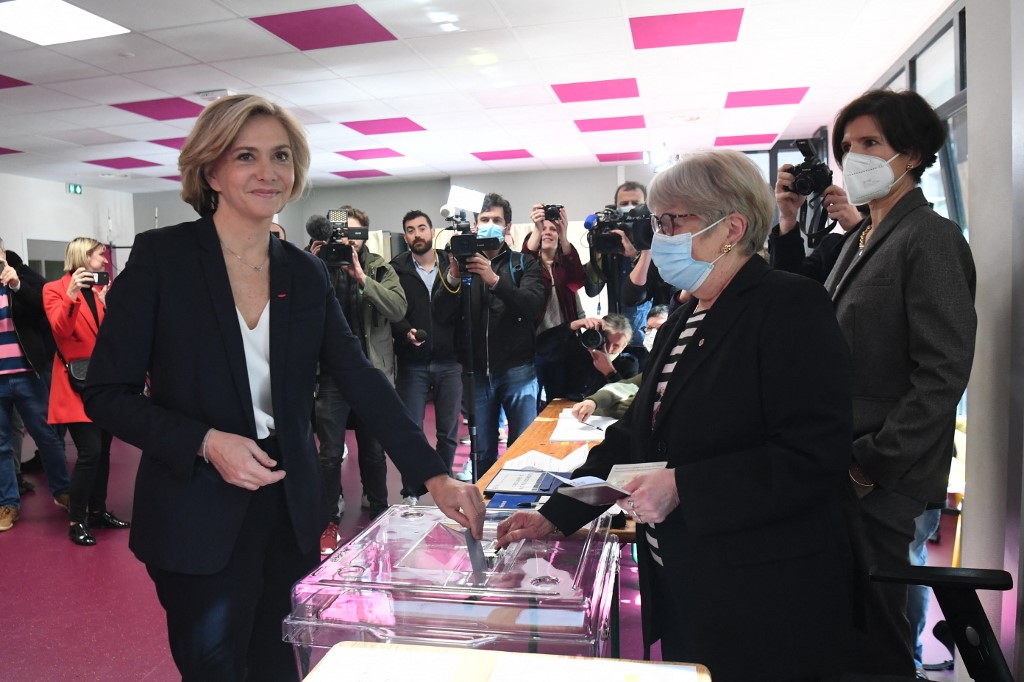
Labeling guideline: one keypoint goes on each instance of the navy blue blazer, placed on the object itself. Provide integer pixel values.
(171, 317)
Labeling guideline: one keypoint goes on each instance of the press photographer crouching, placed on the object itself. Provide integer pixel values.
(595, 354)
(371, 298)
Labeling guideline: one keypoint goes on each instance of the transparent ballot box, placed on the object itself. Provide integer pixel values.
(409, 578)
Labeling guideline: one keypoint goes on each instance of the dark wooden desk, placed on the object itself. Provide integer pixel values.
(538, 437)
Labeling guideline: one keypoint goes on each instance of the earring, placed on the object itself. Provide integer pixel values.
(726, 248)
(910, 166)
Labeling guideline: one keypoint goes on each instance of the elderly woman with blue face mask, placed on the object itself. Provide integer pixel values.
(903, 290)
(743, 549)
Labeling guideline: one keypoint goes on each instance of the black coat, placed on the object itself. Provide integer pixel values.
(171, 316)
(440, 343)
(756, 425)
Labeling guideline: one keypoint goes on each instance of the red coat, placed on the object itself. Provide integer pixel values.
(74, 330)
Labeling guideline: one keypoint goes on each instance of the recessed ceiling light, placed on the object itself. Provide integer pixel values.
(50, 22)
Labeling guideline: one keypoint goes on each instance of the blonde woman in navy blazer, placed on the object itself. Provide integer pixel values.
(228, 326)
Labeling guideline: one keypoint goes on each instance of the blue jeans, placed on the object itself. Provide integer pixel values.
(31, 396)
(515, 390)
(925, 526)
(444, 379)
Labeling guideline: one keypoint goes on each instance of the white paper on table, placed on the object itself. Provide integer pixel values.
(539, 461)
(568, 429)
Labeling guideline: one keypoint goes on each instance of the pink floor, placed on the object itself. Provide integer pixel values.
(90, 613)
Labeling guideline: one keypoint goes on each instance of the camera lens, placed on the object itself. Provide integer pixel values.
(552, 212)
(592, 339)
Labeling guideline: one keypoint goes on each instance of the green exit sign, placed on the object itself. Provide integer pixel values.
(74, 189)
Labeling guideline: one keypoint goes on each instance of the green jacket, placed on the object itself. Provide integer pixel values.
(615, 398)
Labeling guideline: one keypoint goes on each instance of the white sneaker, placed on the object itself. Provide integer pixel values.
(411, 500)
(341, 506)
(464, 440)
(365, 501)
(466, 475)
(344, 452)
(502, 436)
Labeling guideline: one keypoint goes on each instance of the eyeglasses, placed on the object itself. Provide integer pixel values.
(670, 223)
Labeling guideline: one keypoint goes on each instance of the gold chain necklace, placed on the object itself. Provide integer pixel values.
(257, 268)
(864, 237)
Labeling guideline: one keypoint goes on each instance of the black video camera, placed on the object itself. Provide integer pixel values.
(553, 212)
(812, 176)
(465, 243)
(635, 223)
(336, 252)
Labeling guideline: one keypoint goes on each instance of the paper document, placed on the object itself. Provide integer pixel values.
(598, 492)
(476, 557)
(568, 429)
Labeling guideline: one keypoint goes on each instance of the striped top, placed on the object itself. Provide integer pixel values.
(673, 357)
(689, 330)
(12, 359)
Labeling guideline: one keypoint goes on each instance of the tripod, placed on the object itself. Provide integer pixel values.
(469, 373)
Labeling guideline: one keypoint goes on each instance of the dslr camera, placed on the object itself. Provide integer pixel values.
(812, 176)
(635, 223)
(553, 212)
(592, 339)
(332, 230)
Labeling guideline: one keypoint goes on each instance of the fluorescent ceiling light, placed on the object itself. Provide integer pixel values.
(50, 22)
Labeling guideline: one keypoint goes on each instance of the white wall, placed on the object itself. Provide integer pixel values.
(41, 209)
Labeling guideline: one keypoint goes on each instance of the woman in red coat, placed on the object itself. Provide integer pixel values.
(75, 310)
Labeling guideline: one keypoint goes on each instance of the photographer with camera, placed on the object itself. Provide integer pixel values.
(612, 266)
(595, 354)
(563, 277)
(506, 295)
(371, 298)
(794, 187)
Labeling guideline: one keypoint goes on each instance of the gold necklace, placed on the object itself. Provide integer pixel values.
(864, 237)
(257, 268)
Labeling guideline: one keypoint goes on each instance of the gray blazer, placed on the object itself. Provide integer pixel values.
(906, 306)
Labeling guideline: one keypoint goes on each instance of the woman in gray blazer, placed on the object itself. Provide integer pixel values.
(903, 290)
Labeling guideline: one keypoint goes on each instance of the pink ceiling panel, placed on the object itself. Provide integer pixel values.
(730, 140)
(592, 125)
(689, 28)
(8, 82)
(5, 150)
(590, 91)
(163, 109)
(765, 98)
(362, 154)
(620, 156)
(503, 155)
(329, 27)
(123, 163)
(383, 126)
(360, 174)
(175, 178)
(172, 142)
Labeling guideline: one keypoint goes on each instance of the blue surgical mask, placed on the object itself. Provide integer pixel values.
(486, 230)
(623, 210)
(675, 261)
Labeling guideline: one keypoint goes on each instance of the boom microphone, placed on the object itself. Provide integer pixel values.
(318, 228)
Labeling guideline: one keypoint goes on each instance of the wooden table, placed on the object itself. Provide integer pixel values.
(538, 437)
(379, 661)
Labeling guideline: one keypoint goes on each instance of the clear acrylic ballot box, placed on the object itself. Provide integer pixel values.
(409, 578)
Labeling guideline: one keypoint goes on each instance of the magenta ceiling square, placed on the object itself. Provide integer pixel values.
(689, 28)
(765, 98)
(175, 178)
(503, 155)
(363, 154)
(172, 142)
(592, 125)
(359, 174)
(620, 156)
(163, 109)
(123, 162)
(382, 126)
(329, 27)
(8, 82)
(729, 140)
(590, 91)
(5, 150)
